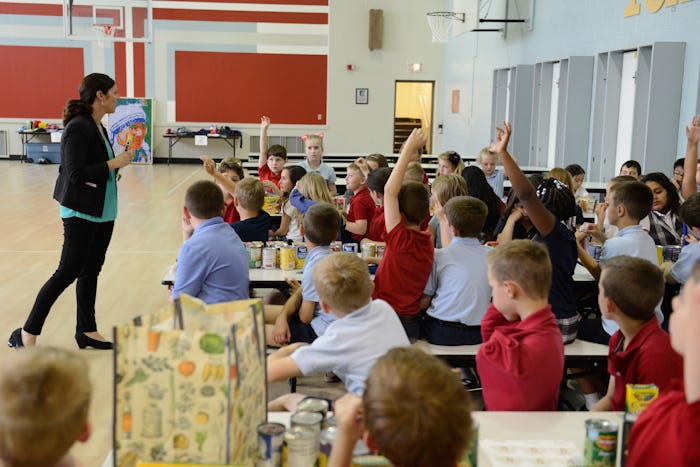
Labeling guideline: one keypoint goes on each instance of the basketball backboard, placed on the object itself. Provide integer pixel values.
(470, 8)
(128, 20)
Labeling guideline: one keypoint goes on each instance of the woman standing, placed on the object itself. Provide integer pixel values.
(87, 192)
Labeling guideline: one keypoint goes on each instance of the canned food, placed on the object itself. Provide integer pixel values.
(350, 248)
(380, 251)
(336, 246)
(375, 461)
(301, 253)
(300, 447)
(369, 250)
(254, 255)
(595, 251)
(314, 405)
(270, 441)
(601, 442)
(310, 420)
(327, 439)
(671, 253)
(269, 257)
(287, 258)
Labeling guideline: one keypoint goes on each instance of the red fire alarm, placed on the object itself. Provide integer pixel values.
(349, 67)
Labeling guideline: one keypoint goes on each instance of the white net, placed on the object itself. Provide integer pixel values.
(440, 23)
(105, 34)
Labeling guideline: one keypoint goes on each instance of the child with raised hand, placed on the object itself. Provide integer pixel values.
(667, 432)
(313, 148)
(690, 184)
(290, 225)
(408, 256)
(385, 416)
(361, 211)
(226, 175)
(679, 272)
(640, 351)
(271, 160)
(521, 361)
(552, 211)
(44, 402)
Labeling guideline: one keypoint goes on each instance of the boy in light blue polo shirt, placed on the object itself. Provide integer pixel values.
(457, 293)
(629, 203)
(690, 254)
(321, 224)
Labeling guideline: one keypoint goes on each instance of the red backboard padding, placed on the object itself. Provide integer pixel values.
(240, 87)
(37, 81)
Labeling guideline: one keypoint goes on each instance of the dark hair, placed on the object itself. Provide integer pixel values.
(636, 197)
(690, 210)
(227, 165)
(380, 159)
(679, 163)
(623, 178)
(467, 214)
(559, 200)
(534, 179)
(88, 89)
(632, 164)
(414, 202)
(204, 199)
(277, 150)
(672, 197)
(377, 178)
(575, 169)
(295, 173)
(321, 223)
(478, 187)
(634, 284)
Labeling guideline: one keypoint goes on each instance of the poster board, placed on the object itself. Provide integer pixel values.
(131, 125)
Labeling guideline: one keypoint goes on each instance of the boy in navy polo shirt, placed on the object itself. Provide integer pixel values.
(249, 198)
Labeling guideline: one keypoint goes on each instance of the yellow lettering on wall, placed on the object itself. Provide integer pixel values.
(633, 8)
(671, 3)
(653, 5)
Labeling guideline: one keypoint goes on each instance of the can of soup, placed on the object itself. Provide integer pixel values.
(601, 442)
(270, 441)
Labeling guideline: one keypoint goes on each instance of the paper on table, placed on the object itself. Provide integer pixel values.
(526, 453)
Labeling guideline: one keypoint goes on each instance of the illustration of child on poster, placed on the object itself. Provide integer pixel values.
(129, 129)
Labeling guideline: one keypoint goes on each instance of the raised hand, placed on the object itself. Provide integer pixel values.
(502, 137)
(692, 131)
(208, 164)
(264, 122)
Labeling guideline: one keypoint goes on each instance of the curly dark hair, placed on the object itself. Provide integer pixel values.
(478, 187)
(557, 197)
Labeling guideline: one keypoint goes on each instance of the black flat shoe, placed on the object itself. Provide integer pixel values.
(86, 341)
(15, 340)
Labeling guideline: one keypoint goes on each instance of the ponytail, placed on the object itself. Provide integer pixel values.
(88, 89)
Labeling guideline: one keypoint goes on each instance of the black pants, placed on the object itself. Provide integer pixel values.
(84, 247)
(441, 332)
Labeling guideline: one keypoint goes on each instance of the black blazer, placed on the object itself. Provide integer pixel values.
(83, 173)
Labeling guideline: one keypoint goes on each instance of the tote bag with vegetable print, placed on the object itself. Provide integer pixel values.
(190, 384)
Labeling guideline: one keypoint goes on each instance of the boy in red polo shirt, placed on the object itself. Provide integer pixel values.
(408, 256)
(359, 216)
(640, 351)
(521, 361)
(667, 432)
(271, 160)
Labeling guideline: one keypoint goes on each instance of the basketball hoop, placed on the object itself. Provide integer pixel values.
(440, 23)
(105, 34)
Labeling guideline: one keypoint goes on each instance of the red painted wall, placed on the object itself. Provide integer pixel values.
(36, 82)
(240, 87)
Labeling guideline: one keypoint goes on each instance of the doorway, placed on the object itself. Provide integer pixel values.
(413, 108)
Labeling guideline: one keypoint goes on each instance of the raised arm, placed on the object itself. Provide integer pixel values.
(690, 166)
(392, 215)
(691, 353)
(264, 125)
(543, 220)
(210, 168)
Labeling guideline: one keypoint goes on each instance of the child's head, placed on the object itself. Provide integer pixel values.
(314, 186)
(666, 196)
(290, 176)
(450, 162)
(577, 175)
(276, 158)
(375, 183)
(487, 161)
(679, 170)
(563, 176)
(414, 172)
(441, 434)
(466, 214)
(250, 194)
(231, 168)
(313, 147)
(522, 264)
(448, 186)
(631, 168)
(559, 200)
(414, 202)
(355, 179)
(636, 197)
(376, 161)
(44, 402)
(204, 199)
(634, 285)
(477, 185)
(342, 282)
(321, 224)
(690, 211)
